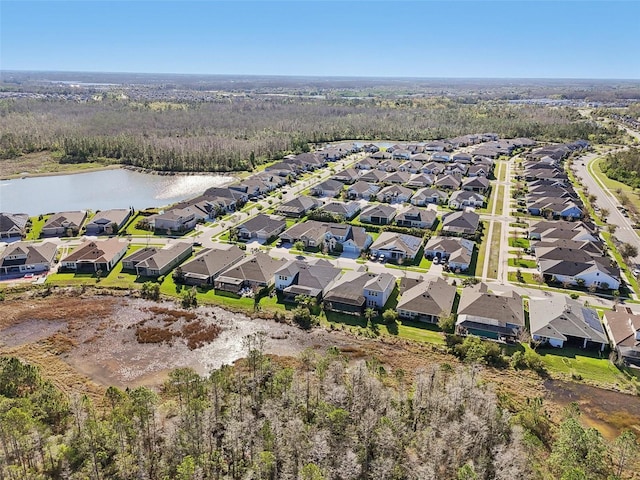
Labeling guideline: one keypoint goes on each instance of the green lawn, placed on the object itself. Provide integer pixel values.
(71, 279)
(494, 259)
(522, 263)
(528, 278)
(131, 229)
(623, 266)
(585, 364)
(420, 332)
(500, 200)
(502, 176)
(36, 227)
(613, 185)
(480, 252)
(519, 242)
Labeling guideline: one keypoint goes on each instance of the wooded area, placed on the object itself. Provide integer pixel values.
(320, 419)
(623, 166)
(239, 132)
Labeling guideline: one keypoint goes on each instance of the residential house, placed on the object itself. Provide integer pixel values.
(342, 210)
(64, 224)
(456, 169)
(560, 321)
(595, 249)
(261, 227)
(253, 273)
(463, 223)
(412, 166)
(623, 327)
(314, 234)
(556, 230)
(396, 246)
(349, 175)
(420, 180)
(397, 177)
(357, 290)
(478, 170)
(370, 148)
(490, 315)
(22, 257)
(414, 217)
(437, 146)
(395, 194)
(476, 184)
(401, 154)
(432, 168)
(427, 301)
(108, 222)
(464, 198)
(441, 157)
(448, 182)
(378, 214)
(363, 190)
(577, 267)
(163, 260)
(425, 196)
(381, 155)
(328, 188)
(461, 157)
(368, 163)
(299, 277)
(176, 220)
(558, 208)
(373, 176)
(13, 225)
(456, 252)
(298, 207)
(95, 255)
(209, 263)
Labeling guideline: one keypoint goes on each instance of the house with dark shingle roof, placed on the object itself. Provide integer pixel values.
(414, 217)
(457, 252)
(175, 220)
(108, 222)
(462, 223)
(378, 214)
(448, 182)
(209, 263)
(427, 301)
(13, 225)
(163, 260)
(463, 198)
(22, 257)
(362, 189)
(315, 234)
(298, 207)
(397, 177)
(357, 290)
(425, 196)
(261, 227)
(311, 278)
(575, 267)
(328, 188)
(476, 184)
(253, 272)
(373, 176)
(490, 315)
(349, 175)
(344, 210)
(395, 194)
(396, 246)
(420, 180)
(560, 321)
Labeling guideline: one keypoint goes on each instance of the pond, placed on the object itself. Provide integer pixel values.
(100, 190)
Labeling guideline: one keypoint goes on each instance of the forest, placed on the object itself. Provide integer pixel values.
(313, 418)
(623, 166)
(238, 132)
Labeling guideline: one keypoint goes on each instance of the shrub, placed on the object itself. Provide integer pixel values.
(390, 316)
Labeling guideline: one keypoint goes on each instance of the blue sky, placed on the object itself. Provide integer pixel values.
(536, 39)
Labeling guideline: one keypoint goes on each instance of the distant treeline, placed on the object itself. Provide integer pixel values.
(623, 166)
(237, 133)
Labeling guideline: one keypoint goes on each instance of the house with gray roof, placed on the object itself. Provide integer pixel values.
(490, 315)
(560, 321)
(397, 177)
(22, 257)
(373, 176)
(315, 234)
(448, 182)
(477, 184)
(175, 220)
(253, 273)
(378, 214)
(108, 222)
(362, 189)
(209, 263)
(298, 207)
(460, 223)
(425, 196)
(13, 225)
(349, 175)
(427, 301)
(414, 217)
(396, 246)
(395, 194)
(312, 278)
(462, 198)
(63, 223)
(163, 260)
(342, 210)
(357, 290)
(577, 267)
(261, 227)
(456, 252)
(328, 188)
(420, 180)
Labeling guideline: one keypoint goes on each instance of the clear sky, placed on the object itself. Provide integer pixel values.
(534, 39)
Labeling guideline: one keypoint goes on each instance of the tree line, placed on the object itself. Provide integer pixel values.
(320, 419)
(238, 133)
(623, 166)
